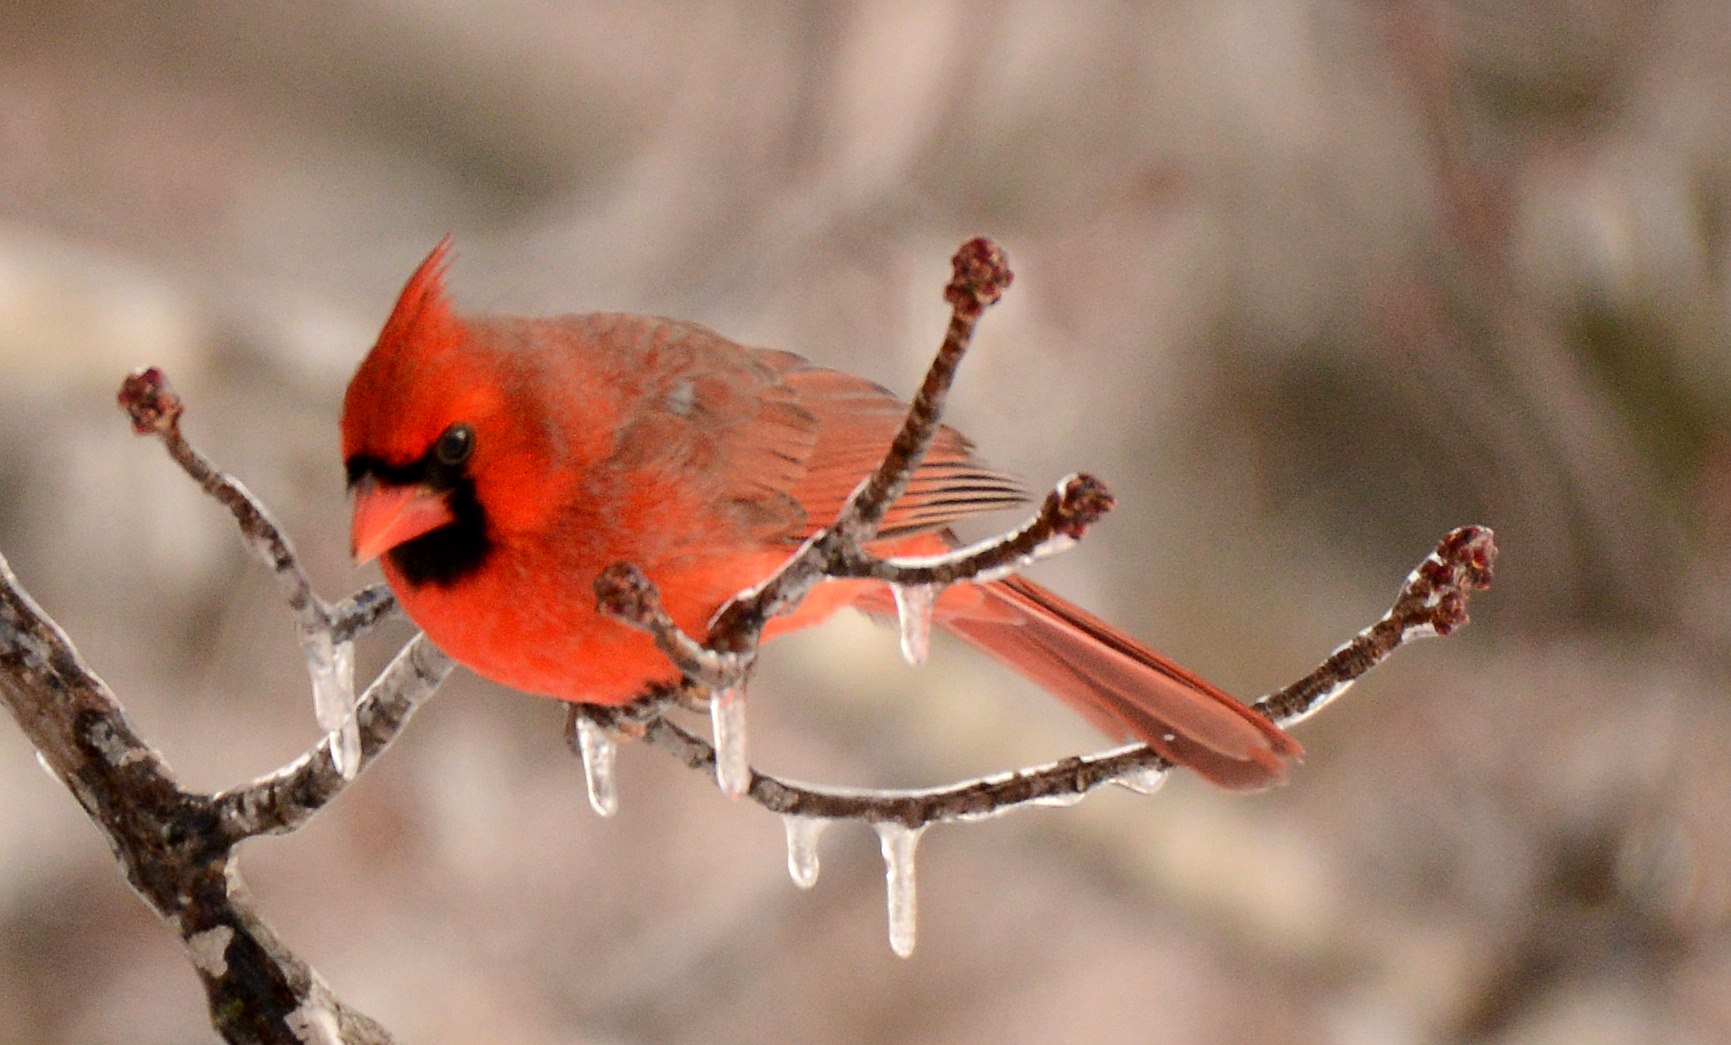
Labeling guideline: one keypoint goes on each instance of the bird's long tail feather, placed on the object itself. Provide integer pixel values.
(1122, 686)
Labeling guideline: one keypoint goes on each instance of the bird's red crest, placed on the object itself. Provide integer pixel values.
(423, 312)
(414, 376)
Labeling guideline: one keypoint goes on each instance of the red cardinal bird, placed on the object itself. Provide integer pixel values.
(499, 463)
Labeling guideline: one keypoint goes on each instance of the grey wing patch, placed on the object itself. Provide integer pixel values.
(718, 414)
(781, 442)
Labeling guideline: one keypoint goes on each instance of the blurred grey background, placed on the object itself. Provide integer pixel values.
(1308, 282)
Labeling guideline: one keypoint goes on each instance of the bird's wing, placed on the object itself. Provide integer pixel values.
(857, 420)
(782, 442)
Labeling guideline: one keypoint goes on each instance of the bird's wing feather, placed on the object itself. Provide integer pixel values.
(857, 421)
(787, 440)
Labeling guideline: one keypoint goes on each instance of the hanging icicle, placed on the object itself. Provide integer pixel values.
(1144, 781)
(598, 750)
(898, 847)
(914, 605)
(331, 666)
(732, 763)
(802, 835)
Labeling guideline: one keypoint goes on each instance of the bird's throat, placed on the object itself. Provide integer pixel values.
(451, 554)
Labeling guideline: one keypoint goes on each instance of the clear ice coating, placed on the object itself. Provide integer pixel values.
(1143, 781)
(914, 603)
(727, 717)
(898, 845)
(598, 750)
(1061, 800)
(331, 665)
(802, 835)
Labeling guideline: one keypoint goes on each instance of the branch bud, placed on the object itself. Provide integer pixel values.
(1082, 500)
(624, 593)
(150, 402)
(982, 272)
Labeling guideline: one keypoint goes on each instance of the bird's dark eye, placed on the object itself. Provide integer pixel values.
(455, 445)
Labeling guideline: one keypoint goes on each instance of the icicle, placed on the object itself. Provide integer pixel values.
(732, 764)
(1143, 781)
(598, 750)
(802, 836)
(914, 603)
(898, 846)
(332, 667)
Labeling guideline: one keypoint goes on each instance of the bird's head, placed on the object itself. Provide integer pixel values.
(420, 424)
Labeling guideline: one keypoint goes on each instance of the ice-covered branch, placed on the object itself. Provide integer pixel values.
(356, 615)
(286, 799)
(722, 663)
(174, 846)
(177, 847)
(326, 633)
(1432, 602)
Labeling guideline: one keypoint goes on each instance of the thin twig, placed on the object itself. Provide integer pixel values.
(361, 612)
(1065, 515)
(155, 409)
(980, 274)
(1433, 601)
(284, 800)
(625, 594)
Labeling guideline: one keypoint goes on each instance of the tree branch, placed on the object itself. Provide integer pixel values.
(175, 847)
(1432, 601)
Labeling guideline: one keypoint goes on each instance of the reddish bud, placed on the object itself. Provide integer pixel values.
(982, 272)
(1082, 500)
(1450, 613)
(624, 593)
(149, 401)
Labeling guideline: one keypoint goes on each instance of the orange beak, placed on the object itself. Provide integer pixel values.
(386, 516)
